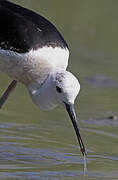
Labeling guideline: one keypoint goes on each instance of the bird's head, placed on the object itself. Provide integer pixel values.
(61, 87)
(66, 87)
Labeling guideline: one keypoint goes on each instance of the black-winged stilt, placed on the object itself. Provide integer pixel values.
(33, 52)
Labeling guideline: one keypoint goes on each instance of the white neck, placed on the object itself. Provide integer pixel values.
(43, 95)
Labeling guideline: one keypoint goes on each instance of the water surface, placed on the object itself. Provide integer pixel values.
(42, 145)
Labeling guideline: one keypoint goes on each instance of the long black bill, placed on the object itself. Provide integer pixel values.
(72, 114)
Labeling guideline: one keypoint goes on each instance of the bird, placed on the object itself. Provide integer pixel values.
(34, 53)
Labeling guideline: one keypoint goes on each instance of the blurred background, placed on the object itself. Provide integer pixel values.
(35, 144)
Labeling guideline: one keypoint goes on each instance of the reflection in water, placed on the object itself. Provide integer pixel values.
(16, 154)
(17, 151)
(101, 80)
(105, 121)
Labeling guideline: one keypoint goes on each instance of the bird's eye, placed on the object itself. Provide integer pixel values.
(59, 90)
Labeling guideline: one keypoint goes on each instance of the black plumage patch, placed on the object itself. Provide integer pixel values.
(22, 30)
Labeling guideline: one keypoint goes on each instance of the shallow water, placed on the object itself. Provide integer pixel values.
(42, 145)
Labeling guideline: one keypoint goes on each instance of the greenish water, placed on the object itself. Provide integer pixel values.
(42, 145)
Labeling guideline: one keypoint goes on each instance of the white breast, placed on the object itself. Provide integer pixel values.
(34, 64)
(50, 57)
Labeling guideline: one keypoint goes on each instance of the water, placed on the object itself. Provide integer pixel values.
(42, 145)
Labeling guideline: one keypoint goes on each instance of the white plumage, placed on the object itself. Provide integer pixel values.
(26, 67)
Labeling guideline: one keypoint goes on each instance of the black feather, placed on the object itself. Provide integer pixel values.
(22, 30)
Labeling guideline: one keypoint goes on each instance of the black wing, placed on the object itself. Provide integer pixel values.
(22, 30)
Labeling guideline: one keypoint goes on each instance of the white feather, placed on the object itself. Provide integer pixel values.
(34, 64)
